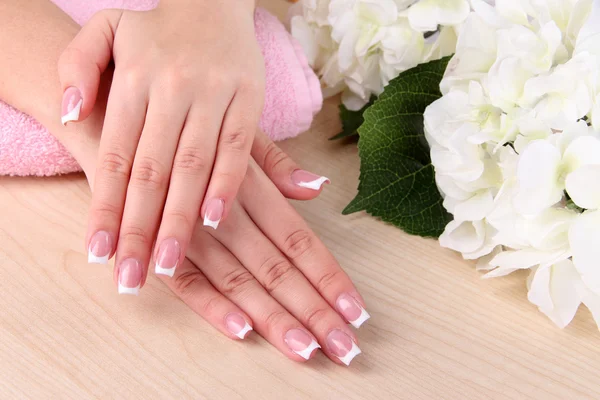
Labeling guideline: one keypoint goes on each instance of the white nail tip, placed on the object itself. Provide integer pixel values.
(354, 351)
(241, 334)
(364, 316)
(314, 185)
(73, 115)
(164, 271)
(212, 224)
(92, 259)
(308, 351)
(126, 290)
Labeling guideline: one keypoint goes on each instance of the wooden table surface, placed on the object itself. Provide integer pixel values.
(438, 331)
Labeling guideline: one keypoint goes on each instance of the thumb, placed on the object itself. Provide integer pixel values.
(83, 62)
(292, 182)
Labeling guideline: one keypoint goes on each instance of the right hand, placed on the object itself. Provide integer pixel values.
(269, 270)
(266, 270)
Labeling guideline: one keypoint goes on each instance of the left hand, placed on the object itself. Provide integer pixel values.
(184, 104)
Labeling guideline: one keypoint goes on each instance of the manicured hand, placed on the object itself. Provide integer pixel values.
(265, 270)
(182, 113)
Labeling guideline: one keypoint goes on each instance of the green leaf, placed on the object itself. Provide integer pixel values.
(351, 121)
(397, 180)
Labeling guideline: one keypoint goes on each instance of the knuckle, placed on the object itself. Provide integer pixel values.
(115, 165)
(149, 172)
(211, 305)
(237, 140)
(328, 279)
(181, 219)
(298, 243)
(273, 157)
(252, 86)
(71, 56)
(235, 281)
(275, 270)
(216, 80)
(314, 315)
(107, 211)
(133, 76)
(189, 160)
(176, 78)
(274, 318)
(188, 283)
(135, 234)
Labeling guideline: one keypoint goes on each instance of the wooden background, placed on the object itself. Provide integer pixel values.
(437, 331)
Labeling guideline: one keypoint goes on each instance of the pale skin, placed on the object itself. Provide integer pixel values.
(269, 271)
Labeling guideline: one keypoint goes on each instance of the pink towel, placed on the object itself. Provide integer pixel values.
(293, 96)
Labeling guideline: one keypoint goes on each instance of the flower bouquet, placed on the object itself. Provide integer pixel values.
(496, 150)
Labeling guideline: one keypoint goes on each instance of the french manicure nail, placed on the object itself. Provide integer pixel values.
(130, 277)
(237, 325)
(99, 248)
(308, 180)
(301, 343)
(342, 346)
(71, 105)
(352, 310)
(214, 213)
(168, 257)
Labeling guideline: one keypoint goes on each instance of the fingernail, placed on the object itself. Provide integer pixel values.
(308, 180)
(214, 213)
(352, 310)
(130, 277)
(301, 343)
(168, 257)
(71, 105)
(237, 325)
(99, 248)
(342, 346)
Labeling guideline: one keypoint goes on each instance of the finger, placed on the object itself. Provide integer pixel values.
(270, 319)
(292, 181)
(192, 286)
(192, 166)
(147, 189)
(299, 243)
(82, 63)
(123, 125)
(286, 284)
(233, 153)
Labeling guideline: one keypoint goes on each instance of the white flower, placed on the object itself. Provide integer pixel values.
(557, 290)
(515, 142)
(472, 238)
(475, 54)
(544, 170)
(522, 53)
(426, 15)
(358, 46)
(564, 95)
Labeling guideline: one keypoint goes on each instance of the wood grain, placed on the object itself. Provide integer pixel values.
(438, 330)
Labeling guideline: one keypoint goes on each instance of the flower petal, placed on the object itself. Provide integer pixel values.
(426, 15)
(583, 150)
(584, 238)
(588, 39)
(475, 208)
(512, 260)
(537, 174)
(556, 291)
(463, 236)
(583, 186)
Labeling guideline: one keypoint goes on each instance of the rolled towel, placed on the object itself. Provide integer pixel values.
(292, 99)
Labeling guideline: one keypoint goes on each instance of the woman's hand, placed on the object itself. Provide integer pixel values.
(183, 108)
(266, 270)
